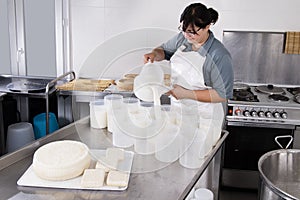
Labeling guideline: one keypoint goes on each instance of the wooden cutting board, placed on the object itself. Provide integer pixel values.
(292, 43)
(86, 85)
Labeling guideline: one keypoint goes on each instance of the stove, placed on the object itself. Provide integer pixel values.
(257, 115)
(263, 104)
(294, 90)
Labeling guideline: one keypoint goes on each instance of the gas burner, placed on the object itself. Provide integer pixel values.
(278, 97)
(270, 89)
(244, 95)
(294, 91)
(240, 86)
(297, 98)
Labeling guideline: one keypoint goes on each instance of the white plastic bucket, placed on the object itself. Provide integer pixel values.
(98, 114)
(149, 84)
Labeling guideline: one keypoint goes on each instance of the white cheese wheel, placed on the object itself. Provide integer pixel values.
(61, 160)
(93, 178)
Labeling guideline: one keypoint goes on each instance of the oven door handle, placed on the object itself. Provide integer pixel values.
(284, 136)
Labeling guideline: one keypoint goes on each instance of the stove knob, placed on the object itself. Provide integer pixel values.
(284, 115)
(246, 113)
(270, 87)
(253, 113)
(261, 114)
(276, 114)
(238, 112)
(268, 114)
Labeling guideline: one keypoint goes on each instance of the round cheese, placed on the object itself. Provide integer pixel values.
(130, 76)
(125, 84)
(61, 160)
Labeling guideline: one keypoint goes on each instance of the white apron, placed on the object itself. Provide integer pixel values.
(187, 71)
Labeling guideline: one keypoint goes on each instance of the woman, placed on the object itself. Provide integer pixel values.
(201, 65)
(201, 74)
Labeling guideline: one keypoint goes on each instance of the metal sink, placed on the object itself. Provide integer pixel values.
(23, 84)
(32, 86)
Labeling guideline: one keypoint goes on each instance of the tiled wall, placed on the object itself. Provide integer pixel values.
(109, 37)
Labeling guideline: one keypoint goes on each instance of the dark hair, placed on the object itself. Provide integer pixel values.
(198, 15)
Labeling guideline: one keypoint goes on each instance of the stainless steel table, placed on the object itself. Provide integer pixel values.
(169, 182)
(74, 104)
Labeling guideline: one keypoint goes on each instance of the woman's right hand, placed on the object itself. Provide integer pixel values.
(157, 54)
(149, 57)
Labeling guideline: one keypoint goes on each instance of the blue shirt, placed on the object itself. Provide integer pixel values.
(217, 68)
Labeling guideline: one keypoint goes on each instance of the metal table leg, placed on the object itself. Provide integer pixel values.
(49, 85)
(2, 137)
(210, 179)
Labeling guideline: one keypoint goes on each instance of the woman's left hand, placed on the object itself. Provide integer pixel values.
(181, 93)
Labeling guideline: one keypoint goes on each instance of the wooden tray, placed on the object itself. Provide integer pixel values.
(86, 85)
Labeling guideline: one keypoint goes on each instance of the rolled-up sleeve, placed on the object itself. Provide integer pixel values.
(221, 76)
(171, 46)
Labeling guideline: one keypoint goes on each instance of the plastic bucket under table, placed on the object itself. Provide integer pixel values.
(18, 135)
(39, 124)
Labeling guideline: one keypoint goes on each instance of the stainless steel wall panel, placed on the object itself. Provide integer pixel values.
(258, 58)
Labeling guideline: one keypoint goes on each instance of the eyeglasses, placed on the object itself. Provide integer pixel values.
(192, 33)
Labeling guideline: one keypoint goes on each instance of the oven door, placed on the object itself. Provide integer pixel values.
(246, 143)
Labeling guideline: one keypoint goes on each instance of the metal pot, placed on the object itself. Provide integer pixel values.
(280, 175)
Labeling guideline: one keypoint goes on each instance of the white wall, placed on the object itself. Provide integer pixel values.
(267, 15)
(109, 37)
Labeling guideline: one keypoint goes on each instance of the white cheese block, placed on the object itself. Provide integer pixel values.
(93, 178)
(61, 160)
(115, 153)
(99, 165)
(109, 163)
(117, 178)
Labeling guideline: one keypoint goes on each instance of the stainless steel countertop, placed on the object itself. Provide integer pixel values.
(170, 182)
